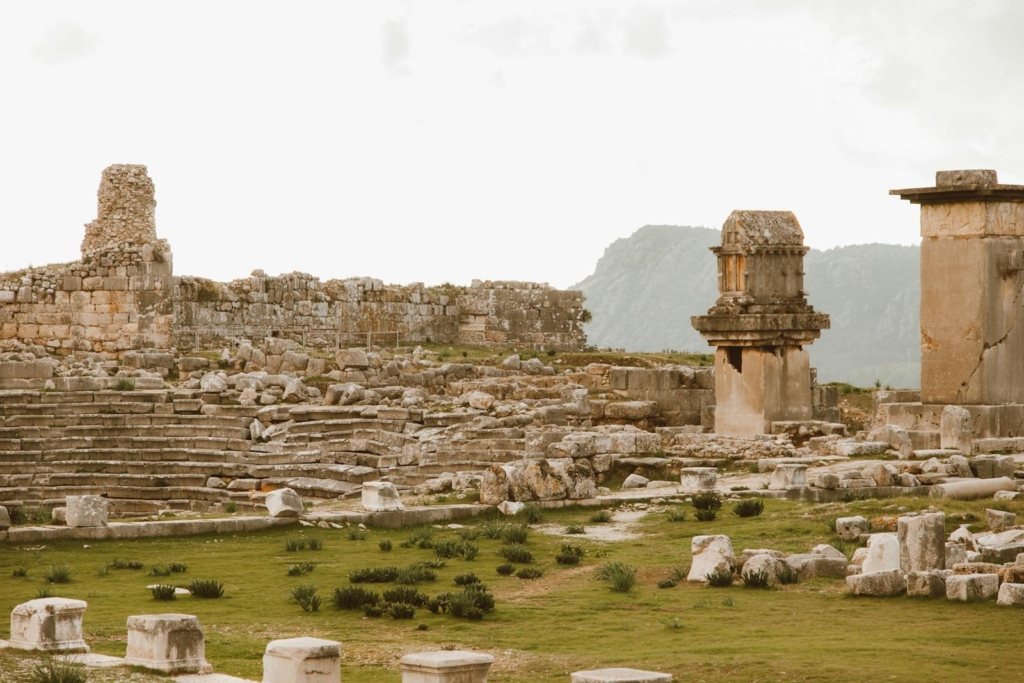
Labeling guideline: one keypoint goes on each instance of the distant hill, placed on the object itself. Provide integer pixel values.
(645, 288)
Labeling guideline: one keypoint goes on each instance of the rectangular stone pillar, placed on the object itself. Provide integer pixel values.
(172, 643)
(755, 386)
(445, 666)
(49, 624)
(302, 660)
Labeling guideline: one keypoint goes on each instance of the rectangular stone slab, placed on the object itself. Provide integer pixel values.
(620, 676)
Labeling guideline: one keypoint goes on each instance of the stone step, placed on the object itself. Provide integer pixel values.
(925, 439)
(487, 456)
(125, 420)
(128, 442)
(995, 445)
(481, 445)
(128, 455)
(354, 474)
(448, 419)
(162, 493)
(105, 481)
(154, 467)
(343, 425)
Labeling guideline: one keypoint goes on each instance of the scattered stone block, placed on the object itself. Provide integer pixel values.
(696, 479)
(877, 584)
(283, 503)
(968, 587)
(445, 666)
(710, 553)
(812, 565)
(956, 553)
(380, 496)
(510, 508)
(86, 511)
(922, 541)
(999, 520)
(956, 428)
(302, 660)
(1011, 595)
(769, 564)
(619, 676)
(883, 553)
(851, 528)
(48, 624)
(172, 643)
(929, 584)
(635, 481)
(788, 476)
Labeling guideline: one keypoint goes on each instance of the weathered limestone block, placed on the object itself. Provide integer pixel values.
(852, 448)
(710, 553)
(538, 479)
(788, 476)
(1000, 547)
(86, 511)
(635, 481)
(445, 666)
(5, 519)
(352, 359)
(283, 503)
(49, 624)
(172, 643)
(992, 466)
(850, 528)
(898, 439)
(957, 429)
(968, 587)
(478, 400)
(631, 410)
(826, 480)
(877, 584)
(1011, 595)
(813, 565)
(771, 565)
(380, 495)
(619, 676)
(956, 553)
(883, 553)
(922, 541)
(972, 490)
(999, 520)
(696, 479)
(302, 660)
(881, 474)
(928, 584)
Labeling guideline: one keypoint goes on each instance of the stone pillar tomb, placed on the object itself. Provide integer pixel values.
(760, 324)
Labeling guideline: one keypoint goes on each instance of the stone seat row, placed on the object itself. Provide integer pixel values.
(124, 431)
(21, 397)
(124, 420)
(175, 644)
(86, 443)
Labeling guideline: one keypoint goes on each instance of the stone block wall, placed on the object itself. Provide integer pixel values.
(681, 392)
(525, 313)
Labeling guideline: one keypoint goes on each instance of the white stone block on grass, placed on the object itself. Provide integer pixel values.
(788, 476)
(302, 660)
(1011, 595)
(710, 553)
(850, 528)
(883, 553)
(48, 624)
(172, 643)
(86, 511)
(696, 479)
(878, 584)
(445, 666)
(922, 541)
(379, 496)
(969, 587)
(283, 503)
(620, 676)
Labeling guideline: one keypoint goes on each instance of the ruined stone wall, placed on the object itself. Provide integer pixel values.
(525, 313)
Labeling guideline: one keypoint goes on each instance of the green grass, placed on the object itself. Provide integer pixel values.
(564, 621)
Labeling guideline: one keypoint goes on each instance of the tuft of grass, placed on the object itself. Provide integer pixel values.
(373, 575)
(160, 570)
(531, 512)
(58, 573)
(178, 567)
(468, 534)
(385, 545)
(600, 517)
(293, 544)
(787, 575)
(447, 548)
(44, 593)
(516, 552)
(163, 592)
(20, 573)
(529, 573)
(515, 533)
(207, 589)
(422, 538)
(676, 515)
(720, 578)
(668, 583)
(354, 534)
(575, 529)
(466, 579)
(305, 596)
(414, 574)
(405, 594)
(705, 515)
(317, 543)
(493, 529)
(373, 611)
(755, 579)
(709, 500)
(301, 568)
(748, 507)
(620, 576)
(231, 508)
(506, 569)
(354, 597)
(401, 610)
(52, 670)
(674, 623)
(570, 553)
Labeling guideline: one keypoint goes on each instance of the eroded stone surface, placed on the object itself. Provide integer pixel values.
(172, 643)
(48, 624)
(302, 660)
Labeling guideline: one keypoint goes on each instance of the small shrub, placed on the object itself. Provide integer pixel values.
(787, 575)
(414, 574)
(728, 602)
(466, 579)
(468, 534)
(305, 596)
(301, 568)
(739, 488)
(422, 538)
(163, 592)
(385, 545)
(675, 623)
(569, 554)
(705, 515)
(516, 552)
(439, 603)
(160, 570)
(373, 611)
(529, 573)
(433, 563)
(317, 543)
(58, 671)
(208, 589)
(353, 597)
(720, 578)
(44, 593)
(707, 501)
(20, 573)
(446, 548)
(755, 579)
(493, 529)
(293, 544)
(374, 575)
(103, 571)
(506, 569)
(58, 573)
(600, 517)
(405, 594)
(124, 385)
(668, 583)
(575, 529)
(424, 627)
(531, 513)
(679, 574)
(515, 533)
(231, 508)
(178, 567)
(748, 507)
(354, 534)
(621, 576)
(471, 603)
(469, 551)
(676, 515)
(401, 610)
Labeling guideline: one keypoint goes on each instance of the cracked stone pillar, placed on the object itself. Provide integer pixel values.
(972, 255)
(760, 324)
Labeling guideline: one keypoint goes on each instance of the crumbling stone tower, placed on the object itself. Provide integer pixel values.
(972, 273)
(760, 324)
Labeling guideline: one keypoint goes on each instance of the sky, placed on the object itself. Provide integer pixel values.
(446, 140)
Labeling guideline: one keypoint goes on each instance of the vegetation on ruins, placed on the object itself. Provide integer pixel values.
(305, 596)
(570, 553)
(756, 579)
(206, 588)
(516, 552)
(620, 576)
(720, 578)
(748, 507)
(515, 533)
(600, 517)
(58, 573)
(532, 513)
(53, 670)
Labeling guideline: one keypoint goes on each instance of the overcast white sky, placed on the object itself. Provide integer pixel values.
(445, 140)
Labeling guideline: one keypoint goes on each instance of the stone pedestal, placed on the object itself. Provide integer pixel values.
(445, 666)
(49, 624)
(788, 476)
(172, 643)
(696, 479)
(380, 496)
(302, 660)
(86, 511)
(620, 676)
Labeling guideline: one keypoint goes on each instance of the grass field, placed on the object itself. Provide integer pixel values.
(543, 629)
